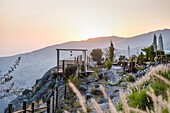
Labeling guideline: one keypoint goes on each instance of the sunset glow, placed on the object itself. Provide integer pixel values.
(26, 25)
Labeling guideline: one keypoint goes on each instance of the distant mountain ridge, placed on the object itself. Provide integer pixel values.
(34, 64)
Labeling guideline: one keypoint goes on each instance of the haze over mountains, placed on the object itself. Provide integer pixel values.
(34, 64)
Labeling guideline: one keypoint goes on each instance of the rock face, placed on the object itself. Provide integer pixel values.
(39, 92)
(113, 75)
(102, 73)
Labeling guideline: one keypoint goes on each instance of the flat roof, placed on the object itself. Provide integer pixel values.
(72, 49)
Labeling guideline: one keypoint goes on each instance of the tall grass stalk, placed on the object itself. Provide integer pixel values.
(81, 99)
(125, 104)
(96, 106)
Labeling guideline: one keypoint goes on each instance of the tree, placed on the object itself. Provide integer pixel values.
(121, 57)
(96, 55)
(107, 53)
(150, 53)
(111, 49)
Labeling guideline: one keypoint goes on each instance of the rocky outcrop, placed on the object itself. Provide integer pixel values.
(38, 93)
(113, 75)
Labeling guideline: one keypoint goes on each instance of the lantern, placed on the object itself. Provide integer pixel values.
(71, 53)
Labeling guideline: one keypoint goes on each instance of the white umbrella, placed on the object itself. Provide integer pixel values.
(160, 43)
(155, 43)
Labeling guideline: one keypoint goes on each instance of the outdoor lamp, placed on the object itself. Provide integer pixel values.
(71, 53)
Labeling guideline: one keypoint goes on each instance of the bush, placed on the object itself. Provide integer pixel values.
(92, 90)
(88, 110)
(75, 81)
(130, 78)
(160, 88)
(121, 57)
(70, 70)
(97, 70)
(37, 80)
(141, 99)
(107, 83)
(76, 104)
(108, 64)
(140, 68)
(52, 85)
(96, 55)
(121, 80)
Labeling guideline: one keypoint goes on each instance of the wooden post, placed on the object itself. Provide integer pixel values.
(85, 61)
(56, 97)
(80, 58)
(10, 108)
(137, 60)
(147, 56)
(78, 61)
(48, 106)
(123, 64)
(141, 58)
(160, 57)
(58, 62)
(32, 108)
(53, 102)
(63, 66)
(132, 64)
(65, 91)
(24, 106)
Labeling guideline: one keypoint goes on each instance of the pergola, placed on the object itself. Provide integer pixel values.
(83, 56)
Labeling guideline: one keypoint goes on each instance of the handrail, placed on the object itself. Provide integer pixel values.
(51, 97)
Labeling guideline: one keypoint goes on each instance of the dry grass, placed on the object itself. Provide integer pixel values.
(148, 76)
(96, 106)
(125, 104)
(65, 111)
(81, 99)
(163, 79)
(159, 103)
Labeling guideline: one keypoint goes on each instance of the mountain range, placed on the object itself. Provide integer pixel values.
(34, 64)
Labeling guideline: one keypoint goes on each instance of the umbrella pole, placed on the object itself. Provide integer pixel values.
(160, 57)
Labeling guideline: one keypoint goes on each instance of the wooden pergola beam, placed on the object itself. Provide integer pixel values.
(72, 49)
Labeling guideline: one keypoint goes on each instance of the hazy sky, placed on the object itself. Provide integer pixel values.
(26, 25)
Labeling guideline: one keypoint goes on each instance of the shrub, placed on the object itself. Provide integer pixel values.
(52, 85)
(108, 64)
(107, 83)
(76, 104)
(160, 88)
(88, 110)
(59, 110)
(37, 80)
(130, 78)
(97, 70)
(96, 55)
(75, 81)
(140, 98)
(70, 70)
(121, 80)
(92, 90)
(140, 68)
(121, 57)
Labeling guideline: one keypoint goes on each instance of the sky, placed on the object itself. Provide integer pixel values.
(27, 25)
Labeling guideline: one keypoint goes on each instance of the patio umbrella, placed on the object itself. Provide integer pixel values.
(160, 43)
(155, 43)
